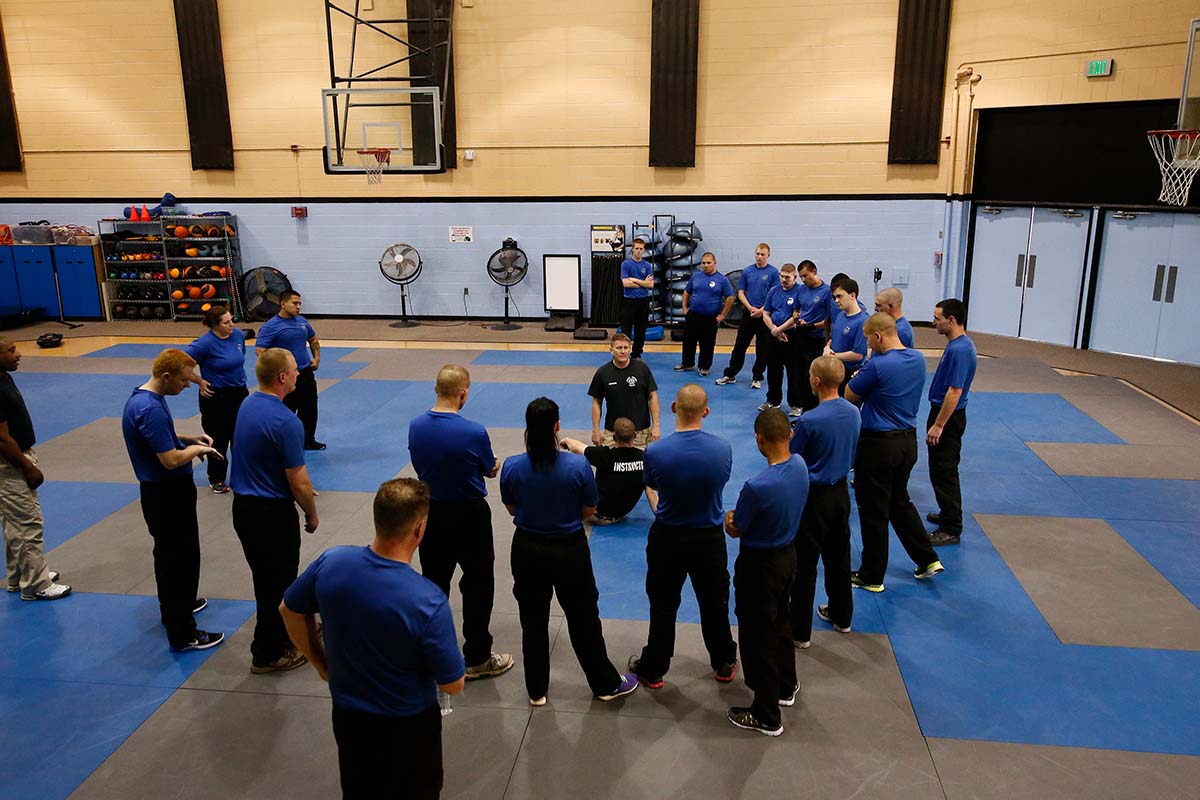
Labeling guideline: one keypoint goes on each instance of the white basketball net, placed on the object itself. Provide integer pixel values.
(1178, 154)
(374, 161)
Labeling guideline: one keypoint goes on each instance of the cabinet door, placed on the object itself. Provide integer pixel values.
(1129, 286)
(1181, 293)
(35, 278)
(998, 270)
(77, 283)
(10, 298)
(1054, 276)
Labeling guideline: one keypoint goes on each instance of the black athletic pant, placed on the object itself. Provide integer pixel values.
(635, 311)
(785, 357)
(169, 508)
(269, 529)
(699, 329)
(808, 348)
(881, 468)
(217, 417)
(674, 554)
(545, 565)
(943, 468)
(303, 400)
(750, 328)
(762, 584)
(824, 534)
(389, 757)
(459, 533)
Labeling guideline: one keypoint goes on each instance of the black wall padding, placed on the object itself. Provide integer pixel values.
(204, 92)
(606, 288)
(674, 58)
(1083, 154)
(433, 65)
(918, 87)
(10, 138)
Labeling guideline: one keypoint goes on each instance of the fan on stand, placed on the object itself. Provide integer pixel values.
(261, 288)
(401, 264)
(507, 267)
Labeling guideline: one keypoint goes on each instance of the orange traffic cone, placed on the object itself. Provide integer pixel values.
(145, 213)
(133, 212)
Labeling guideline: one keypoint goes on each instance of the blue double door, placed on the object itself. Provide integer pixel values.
(33, 276)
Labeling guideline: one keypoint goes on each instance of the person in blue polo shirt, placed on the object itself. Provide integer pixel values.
(779, 317)
(269, 478)
(689, 470)
(826, 438)
(888, 388)
(637, 282)
(453, 455)
(549, 493)
(948, 418)
(290, 331)
(765, 520)
(220, 356)
(847, 343)
(755, 282)
(812, 321)
(162, 462)
(707, 299)
(388, 644)
(891, 302)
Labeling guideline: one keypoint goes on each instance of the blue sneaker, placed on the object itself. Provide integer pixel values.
(628, 685)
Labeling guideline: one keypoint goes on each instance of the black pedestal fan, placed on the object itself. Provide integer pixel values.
(507, 267)
(401, 264)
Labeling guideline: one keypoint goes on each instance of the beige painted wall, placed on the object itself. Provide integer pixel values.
(793, 94)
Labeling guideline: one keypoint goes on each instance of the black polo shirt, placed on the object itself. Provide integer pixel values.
(13, 411)
(625, 392)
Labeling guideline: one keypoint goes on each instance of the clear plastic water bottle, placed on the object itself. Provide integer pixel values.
(444, 703)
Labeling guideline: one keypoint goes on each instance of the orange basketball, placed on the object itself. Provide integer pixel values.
(206, 307)
(174, 272)
(181, 231)
(208, 291)
(177, 295)
(194, 292)
(221, 271)
(182, 307)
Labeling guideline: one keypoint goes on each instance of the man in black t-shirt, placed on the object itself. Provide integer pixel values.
(627, 387)
(618, 473)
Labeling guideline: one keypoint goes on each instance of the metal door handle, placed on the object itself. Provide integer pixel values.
(1170, 298)
(1029, 276)
(1020, 269)
(1158, 281)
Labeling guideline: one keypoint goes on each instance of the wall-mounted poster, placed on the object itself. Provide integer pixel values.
(461, 233)
(608, 238)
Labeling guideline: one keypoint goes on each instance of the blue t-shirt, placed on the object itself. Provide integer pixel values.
(827, 438)
(707, 293)
(757, 281)
(780, 303)
(770, 505)
(635, 269)
(267, 440)
(890, 384)
(816, 306)
(450, 453)
(904, 331)
(290, 334)
(548, 501)
(956, 370)
(846, 334)
(222, 361)
(689, 469)
(389, 633)
(149, 430)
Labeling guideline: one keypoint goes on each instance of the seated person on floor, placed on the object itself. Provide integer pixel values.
(618, 473)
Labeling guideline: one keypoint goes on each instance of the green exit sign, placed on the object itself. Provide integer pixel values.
(1099, 67)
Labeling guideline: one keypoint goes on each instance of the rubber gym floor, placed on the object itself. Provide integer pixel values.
(1057, 656)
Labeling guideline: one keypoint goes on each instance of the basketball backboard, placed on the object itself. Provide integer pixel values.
(406, 120)
(1189, 101)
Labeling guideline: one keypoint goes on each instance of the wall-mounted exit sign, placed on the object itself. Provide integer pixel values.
(1099, 67)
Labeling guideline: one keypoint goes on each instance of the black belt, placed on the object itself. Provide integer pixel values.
(888, 434)
(833, 485)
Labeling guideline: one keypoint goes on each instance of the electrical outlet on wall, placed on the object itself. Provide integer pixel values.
(466, 291)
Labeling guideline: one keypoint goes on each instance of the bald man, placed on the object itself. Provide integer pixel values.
(891, 301)
(689, 470)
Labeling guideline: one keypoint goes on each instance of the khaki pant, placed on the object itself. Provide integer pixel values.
(640, 439)
(21, 520)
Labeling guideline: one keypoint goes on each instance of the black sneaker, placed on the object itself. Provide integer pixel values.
(201, 604)
(201, 640)
(650, 683)
(823, 613)
(788, 699)
(218, 488)
(683, 368)
(942, 537)
(744, 719)
(725, 672)
(934, 517)
(314, 445)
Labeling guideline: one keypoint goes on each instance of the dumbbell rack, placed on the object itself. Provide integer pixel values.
(150, 276)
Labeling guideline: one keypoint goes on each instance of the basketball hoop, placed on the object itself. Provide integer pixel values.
(1178, 154)
(374, 161)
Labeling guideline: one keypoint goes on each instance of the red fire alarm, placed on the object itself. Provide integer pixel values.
(299, 212)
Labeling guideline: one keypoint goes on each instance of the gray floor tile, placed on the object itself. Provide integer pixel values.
(1160, 461)
(983, 770)
(1090, 585)
(93, 453)
(90, 366)
(1138, 419)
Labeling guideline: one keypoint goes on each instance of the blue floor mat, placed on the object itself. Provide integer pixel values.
(1039, 418)
(1137, 498)
(136, 350)
(1172, 548)
(70, 508)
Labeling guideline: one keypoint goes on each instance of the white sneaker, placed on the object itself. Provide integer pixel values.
(794, 413)
(724, 380)
(755, 384)
(497, 664)
(55, 591)
(767, 405)
(12, 587)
